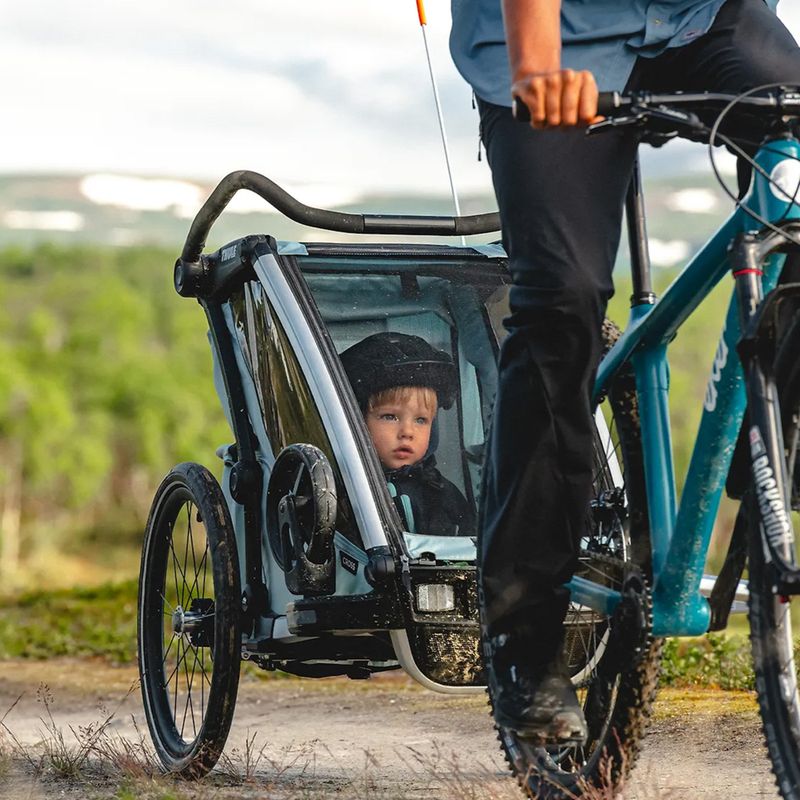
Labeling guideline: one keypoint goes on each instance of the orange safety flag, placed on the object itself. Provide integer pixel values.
(423, 20)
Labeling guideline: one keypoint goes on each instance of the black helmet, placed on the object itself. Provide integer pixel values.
(385, 360)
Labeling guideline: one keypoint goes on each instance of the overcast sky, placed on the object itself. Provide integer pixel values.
(305, 91)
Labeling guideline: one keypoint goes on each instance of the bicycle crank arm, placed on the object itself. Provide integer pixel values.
(592, 595)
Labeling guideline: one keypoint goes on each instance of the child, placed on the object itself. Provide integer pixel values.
(400, 381)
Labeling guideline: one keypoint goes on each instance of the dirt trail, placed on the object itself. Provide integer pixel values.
(384, 738)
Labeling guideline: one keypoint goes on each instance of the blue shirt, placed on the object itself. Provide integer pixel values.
(603, 36)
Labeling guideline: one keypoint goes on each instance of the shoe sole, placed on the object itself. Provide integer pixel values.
(550, 733)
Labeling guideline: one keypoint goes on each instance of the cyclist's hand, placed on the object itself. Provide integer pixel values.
(558, 99)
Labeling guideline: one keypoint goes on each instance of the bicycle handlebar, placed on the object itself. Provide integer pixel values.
(785, 101)
(680, 108)
(280, 199)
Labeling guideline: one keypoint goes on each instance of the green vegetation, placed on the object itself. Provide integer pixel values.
(105, 383)
(99, 621)
(716, 660)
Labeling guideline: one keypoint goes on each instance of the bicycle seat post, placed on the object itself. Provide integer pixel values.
(637, 241)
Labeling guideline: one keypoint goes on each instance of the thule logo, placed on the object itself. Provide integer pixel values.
(229, 252)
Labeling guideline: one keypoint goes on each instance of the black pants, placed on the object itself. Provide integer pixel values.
(561, 197)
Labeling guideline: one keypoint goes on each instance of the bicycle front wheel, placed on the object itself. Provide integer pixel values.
(188, 621)
(771, 615)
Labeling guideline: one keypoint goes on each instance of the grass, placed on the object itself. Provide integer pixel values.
(99, 621)
(94, 762)
(716, 660)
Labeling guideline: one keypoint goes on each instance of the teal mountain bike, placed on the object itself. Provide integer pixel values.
(748, 440)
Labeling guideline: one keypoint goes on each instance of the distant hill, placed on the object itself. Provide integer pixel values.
(123, 210)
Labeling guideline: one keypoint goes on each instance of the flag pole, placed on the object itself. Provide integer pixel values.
(423, 24)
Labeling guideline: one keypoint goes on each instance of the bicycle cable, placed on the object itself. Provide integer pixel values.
(731, 144)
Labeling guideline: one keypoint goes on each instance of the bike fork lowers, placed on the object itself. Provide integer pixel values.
(757, 349)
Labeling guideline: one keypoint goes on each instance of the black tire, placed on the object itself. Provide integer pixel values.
(616, 691)
(189, 621)
(303, 472)
(771, 637)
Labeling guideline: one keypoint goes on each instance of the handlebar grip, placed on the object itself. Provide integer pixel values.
(607, 103)
(520, 111)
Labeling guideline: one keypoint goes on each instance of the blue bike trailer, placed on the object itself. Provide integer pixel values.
(306, 559)
(280, 313)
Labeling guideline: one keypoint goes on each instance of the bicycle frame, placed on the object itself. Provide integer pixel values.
(681, 532)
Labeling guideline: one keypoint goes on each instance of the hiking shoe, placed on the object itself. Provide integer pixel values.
(535, 703)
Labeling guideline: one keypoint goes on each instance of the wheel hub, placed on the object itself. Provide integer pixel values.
(177, 620)
(187, 622)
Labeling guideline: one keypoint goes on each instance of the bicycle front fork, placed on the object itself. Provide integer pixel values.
(757, 350)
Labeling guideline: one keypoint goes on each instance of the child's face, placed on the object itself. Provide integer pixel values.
(400, 427)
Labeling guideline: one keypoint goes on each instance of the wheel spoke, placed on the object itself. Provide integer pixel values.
(177, 676)
(188, 691)
(166, 602)
(197, 569)
(168, 680)
(199, 656)
(202, 683)
(296, 487)
(194, 560)
(191, 684)
(181, 652)
(186, 551)
(169, 647)
(201, 570)
(176, 570)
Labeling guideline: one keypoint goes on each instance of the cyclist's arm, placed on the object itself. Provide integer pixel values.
(555, 96)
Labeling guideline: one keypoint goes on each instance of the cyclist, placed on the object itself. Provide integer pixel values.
(560, 196)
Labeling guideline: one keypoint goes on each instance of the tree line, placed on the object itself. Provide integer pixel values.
(105, 383)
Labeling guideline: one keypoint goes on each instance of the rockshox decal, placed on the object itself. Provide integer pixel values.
(350, 564)
(774, 517)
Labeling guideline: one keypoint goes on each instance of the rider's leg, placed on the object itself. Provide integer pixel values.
(560, 196)
(747, 46)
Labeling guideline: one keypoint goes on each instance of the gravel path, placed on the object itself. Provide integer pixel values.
(384, 738)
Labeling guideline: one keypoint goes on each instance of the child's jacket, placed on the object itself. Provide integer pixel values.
(429, 503)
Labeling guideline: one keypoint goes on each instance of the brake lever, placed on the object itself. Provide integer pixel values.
(614, 122)
(643, 136)
(684, 119)
(691, 125)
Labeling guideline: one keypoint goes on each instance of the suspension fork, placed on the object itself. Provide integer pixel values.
(757, 350)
